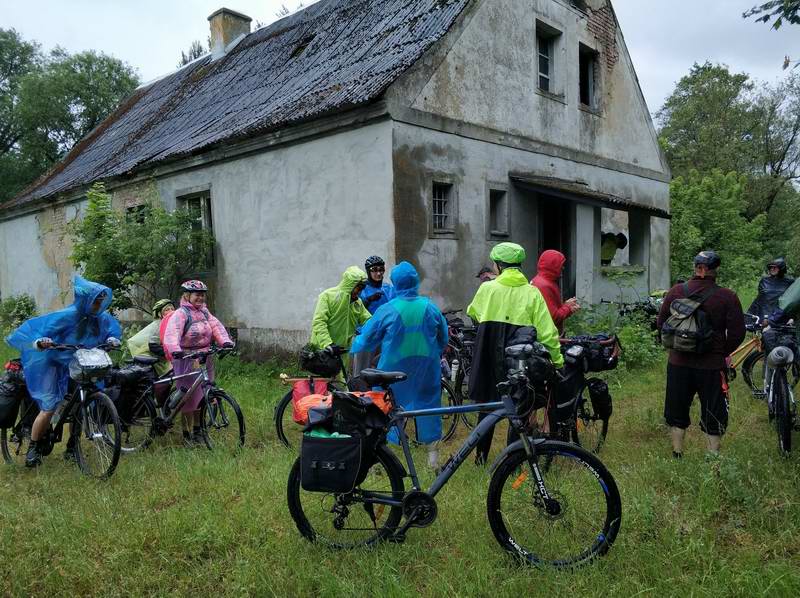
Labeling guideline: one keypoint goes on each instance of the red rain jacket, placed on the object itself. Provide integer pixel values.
(551, 262)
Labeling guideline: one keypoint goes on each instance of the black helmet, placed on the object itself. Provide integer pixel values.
(708, 258)
(780, 263)
(373, 261)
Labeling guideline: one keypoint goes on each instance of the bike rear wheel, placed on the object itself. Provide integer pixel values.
(782, 406)
(288, 431)
(346, 520)
(580, 523)
(14, 441)
(138, 422)
(461, 386)
(98, 436)
(223, 421)
(590, 429)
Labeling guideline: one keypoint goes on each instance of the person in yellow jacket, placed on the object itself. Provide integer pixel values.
(141, 342)
(500, 307)
(340, 312)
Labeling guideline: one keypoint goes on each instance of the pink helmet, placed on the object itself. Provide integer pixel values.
(194, 286)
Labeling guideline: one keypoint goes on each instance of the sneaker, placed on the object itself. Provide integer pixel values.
(677, 455)
(34, 457)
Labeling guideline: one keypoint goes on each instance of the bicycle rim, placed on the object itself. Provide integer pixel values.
(223, 422)
(14, 445)
(345, 521)
(781, 400)
(98, 437)
(753, 372)
(590, 429)
(138, 425)
(581, 524)
(461, 388)
(288, 431)
(450, 421)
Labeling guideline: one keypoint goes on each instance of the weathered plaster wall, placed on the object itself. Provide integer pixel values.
(288, 222)
(449, 266)
(34, 256)
(489, 78)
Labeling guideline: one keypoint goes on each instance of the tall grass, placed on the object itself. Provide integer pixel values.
(174, 521)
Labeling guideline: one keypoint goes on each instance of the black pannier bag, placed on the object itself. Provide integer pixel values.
(9, 402)
(601, 351)
(779, 338)
(319, 363)
(600, 397)
(330, 464)
(127, 384)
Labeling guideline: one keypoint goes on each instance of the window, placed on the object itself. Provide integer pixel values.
(546, 38)
(199, 206)
(588, 76)
(498, 213)
(443, 207)
(135, 214)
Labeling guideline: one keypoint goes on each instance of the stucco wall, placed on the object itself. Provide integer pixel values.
(288, 222)
(489, 78)
(449, 265)
(34, 256)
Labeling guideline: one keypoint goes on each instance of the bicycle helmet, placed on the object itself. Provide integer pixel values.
(159, 306)
(507, 253)
(194, 286)
(708, 258)
(372, 261)
(780, 263)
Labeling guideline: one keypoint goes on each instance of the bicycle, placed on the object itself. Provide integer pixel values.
(549, 502)
(780, 397)
(289, 432)
(221, 417)
(458, 358)
(94, 423)
(751, 356)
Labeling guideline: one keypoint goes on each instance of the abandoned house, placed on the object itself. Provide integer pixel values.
(419, 130)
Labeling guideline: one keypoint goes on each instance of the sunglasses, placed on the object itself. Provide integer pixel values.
(377, 269)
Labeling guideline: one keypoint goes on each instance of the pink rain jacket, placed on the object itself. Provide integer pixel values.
(204, 329)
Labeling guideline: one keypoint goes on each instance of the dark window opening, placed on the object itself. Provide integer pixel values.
(498, 212)
(442, 207)
(199, 207)
(588, 76)
(301, 47)
(135, 214)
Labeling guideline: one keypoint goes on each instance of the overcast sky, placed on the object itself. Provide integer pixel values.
(664, 36)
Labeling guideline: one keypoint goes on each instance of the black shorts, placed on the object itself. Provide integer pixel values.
(683, 384)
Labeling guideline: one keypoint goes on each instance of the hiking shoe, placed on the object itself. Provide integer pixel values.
(34, 456)
(677, 455)
(69, 454)
(199, 437)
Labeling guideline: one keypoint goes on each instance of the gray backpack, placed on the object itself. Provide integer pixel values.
(688, 328)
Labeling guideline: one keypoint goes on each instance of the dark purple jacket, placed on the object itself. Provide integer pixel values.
(725, 312)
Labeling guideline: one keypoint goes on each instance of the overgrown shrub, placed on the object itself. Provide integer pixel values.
(15, 310)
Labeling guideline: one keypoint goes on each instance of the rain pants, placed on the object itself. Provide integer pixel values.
(47, 372)
(412, 333)
(370, 290)
(335, 317)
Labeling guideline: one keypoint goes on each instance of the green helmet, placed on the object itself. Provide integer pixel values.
(508, 253)
(159, 306)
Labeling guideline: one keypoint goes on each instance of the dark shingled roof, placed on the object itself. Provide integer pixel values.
(356, 49)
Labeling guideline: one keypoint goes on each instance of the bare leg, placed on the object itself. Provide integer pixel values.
(40, 425)
(678, 434)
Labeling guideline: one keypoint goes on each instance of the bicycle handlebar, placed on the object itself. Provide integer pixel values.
(221, 351)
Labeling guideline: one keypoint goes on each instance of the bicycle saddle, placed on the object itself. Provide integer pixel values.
(379, 378)
(144, 360)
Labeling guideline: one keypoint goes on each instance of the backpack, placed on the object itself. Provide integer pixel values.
(189, 321)
(688, 328)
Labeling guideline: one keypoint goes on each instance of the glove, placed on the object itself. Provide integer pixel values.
(228, 345)
(178, 354)
(113, 342)
(40, 344)
(332, 350)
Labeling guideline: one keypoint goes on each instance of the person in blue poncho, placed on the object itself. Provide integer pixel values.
(377, 292)
(412, 333)
(86, 322)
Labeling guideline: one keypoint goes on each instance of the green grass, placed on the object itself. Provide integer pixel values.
(174, 521)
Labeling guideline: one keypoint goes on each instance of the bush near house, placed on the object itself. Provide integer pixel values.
(15, 310)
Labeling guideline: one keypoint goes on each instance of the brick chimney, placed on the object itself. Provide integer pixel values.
(226, 25)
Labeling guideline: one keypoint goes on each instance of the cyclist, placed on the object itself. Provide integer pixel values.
(193, 328)
(86, 322)
(610, 244)
(500, 307)
(486, 274)
(788, 305)
(770, 288)
(411, 333)
(550, 267)
(147, 339)
(377, 292)
(339, 312)
(704, 374)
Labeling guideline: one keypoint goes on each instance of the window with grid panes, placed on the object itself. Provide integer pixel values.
(442, 207)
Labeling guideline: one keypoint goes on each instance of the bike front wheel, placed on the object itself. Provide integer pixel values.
(223, 421)
(353, 519)
(98, 436)
(782, 406)
(578, 522)
(753, 371)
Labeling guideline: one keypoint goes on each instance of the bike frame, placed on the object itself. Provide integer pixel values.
(201, 377)
(754, 344)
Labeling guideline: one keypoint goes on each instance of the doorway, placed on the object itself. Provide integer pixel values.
(556, 217)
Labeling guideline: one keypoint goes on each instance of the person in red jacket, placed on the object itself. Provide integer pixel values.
(551, 264)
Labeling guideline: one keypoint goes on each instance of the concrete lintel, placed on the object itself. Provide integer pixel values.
(443, 124)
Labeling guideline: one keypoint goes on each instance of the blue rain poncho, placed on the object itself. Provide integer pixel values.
(47, 372)
(412, 333)
(387, 294)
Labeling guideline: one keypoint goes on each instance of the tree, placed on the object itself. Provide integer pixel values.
(707, 213)
(780, 10)
(196, 50)
(140, 258)
(48, 103)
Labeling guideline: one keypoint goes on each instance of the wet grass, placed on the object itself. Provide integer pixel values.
(174, 521)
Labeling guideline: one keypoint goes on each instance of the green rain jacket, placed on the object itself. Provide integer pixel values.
(335, 317)
(139, 344)
(510, 299)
